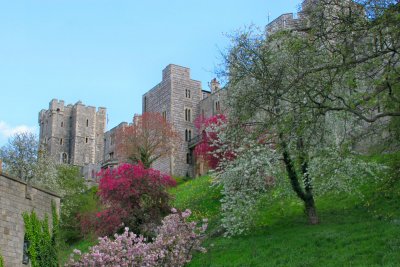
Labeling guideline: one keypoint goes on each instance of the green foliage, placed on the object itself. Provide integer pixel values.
(180, 179)
(43, 243)
(83, 245)
(73, 206)
(20, 156)
(1, 261)
(77, 199)
(281, 236)
(201, 196)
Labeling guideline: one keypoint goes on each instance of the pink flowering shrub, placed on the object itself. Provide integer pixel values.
(173, 246)
(132, 196)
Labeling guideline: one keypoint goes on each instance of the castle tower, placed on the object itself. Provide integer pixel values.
(73, 134)
(176, 97)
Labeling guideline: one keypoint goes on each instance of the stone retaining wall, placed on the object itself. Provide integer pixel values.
(16, 197)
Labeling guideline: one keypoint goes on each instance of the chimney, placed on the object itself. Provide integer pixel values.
(214, 85)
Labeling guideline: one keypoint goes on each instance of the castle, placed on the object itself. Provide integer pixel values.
(75, 134)
(180, 100)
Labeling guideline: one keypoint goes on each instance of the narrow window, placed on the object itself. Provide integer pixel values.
(187, 158)
(111, 155)
(186, 135)
(87, 123)
(189, 115)
(62, 124)
(189, 93)
(164, 115)
(87, 140)
(190, 135)
(64, 158)
(186, 114)
(61, 141)
(112, 140)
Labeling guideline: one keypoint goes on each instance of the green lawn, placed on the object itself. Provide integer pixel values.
(352, 232)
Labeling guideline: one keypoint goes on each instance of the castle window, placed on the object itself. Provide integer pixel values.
(111, 155)
(188, 159)
(187, 114)
(217, 106)
(187, 93)
(190, 135)
(87, 123)
(64, 158)
(87, 140)
(186, 135)
(164, 115)
(61, 141)
(62, 124)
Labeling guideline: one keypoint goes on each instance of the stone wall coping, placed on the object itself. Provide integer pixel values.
(212, 94)
(278, 18)
(25, 183)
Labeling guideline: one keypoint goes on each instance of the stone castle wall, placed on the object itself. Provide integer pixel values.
(16, 197)
(73, 133)
(175, 94)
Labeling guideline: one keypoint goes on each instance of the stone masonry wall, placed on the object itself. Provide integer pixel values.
(16, 198)
(158, 99)
(175, 93)
(181, 81)
(75, 131)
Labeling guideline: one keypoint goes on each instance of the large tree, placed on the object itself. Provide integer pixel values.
(23, 158)
(316, 88)
(147, 139)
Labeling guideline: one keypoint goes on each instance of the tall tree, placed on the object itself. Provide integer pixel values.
(317, 87)
(147, 139)
(20, 155)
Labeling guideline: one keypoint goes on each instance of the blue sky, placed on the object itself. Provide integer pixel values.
(109, 53)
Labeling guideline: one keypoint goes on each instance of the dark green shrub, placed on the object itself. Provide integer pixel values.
(43, 243)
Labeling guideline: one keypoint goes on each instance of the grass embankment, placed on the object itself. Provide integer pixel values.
(352, 232)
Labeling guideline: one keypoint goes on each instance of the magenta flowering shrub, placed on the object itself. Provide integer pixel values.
(173, 246)
(132, 196)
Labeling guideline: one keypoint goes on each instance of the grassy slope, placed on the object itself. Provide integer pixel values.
(352, 232)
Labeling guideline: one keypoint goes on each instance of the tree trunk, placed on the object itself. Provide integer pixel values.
(311, 211)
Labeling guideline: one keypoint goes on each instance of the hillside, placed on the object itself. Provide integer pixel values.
(352, 232)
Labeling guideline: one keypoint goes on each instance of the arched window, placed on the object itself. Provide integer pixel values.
(190, 135)
(186, 135)
(64, 158)
(87, 140)
(87, 123)
(61, 141)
